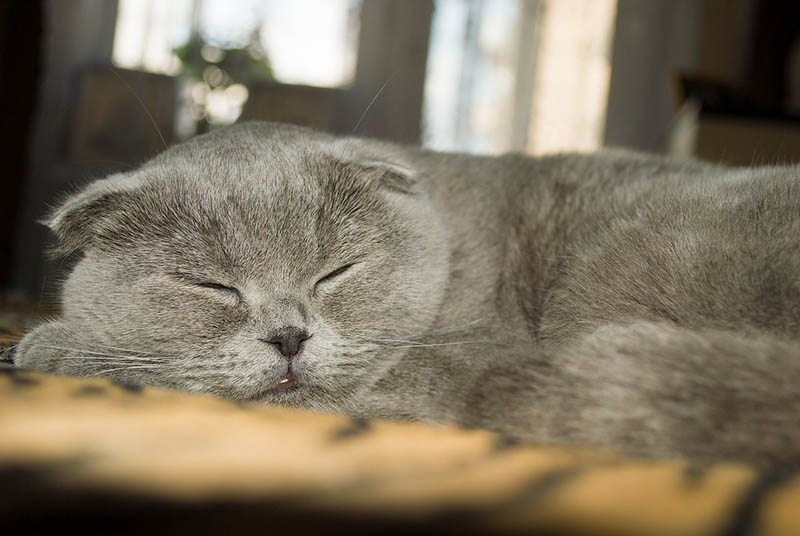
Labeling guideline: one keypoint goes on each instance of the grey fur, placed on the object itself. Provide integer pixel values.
(645, 304)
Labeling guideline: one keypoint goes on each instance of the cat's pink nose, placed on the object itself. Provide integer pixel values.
(288, 340)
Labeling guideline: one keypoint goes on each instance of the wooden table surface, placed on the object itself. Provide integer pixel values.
(89, 455)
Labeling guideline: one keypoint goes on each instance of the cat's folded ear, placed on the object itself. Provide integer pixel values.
(80, 217)
(379, 162)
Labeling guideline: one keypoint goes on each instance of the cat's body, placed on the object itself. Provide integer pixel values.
(641, 303)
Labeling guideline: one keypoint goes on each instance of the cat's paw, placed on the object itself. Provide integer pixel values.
(46, 348)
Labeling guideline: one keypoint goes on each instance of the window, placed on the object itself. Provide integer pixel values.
(309, 42)
(523, 75)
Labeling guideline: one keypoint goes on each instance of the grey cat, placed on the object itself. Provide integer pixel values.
(641, 303)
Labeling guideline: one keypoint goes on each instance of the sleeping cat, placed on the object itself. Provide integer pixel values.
(641, 303)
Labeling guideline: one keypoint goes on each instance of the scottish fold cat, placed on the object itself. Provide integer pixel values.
(635, 302)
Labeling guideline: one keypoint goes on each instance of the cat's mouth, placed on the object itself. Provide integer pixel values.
(287, 382)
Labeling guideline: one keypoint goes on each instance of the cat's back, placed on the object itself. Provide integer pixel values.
(627, 238)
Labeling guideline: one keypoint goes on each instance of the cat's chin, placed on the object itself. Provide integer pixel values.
(294, 396)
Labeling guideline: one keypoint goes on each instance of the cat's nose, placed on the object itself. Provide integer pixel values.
(288, 340)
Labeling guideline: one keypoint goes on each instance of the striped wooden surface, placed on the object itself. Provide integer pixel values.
(91, 455)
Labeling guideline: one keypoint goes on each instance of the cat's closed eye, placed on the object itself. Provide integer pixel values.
(330, 276)
(233, 291)
(211, 285)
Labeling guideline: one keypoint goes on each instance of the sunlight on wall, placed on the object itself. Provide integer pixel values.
(572, 74)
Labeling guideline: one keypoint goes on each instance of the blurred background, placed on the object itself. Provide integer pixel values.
(94, 86)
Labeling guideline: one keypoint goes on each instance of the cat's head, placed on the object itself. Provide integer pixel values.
(258, 262)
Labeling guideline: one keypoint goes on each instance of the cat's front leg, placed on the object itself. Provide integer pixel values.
(58, 348)
(654, 390)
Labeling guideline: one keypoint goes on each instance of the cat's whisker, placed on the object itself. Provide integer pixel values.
(118, 349)
(379, 343)
(409, 341)
(83, 351)
(141, 103)
(401, 343)
(441, 331)
(428, 345)
(366, 110)
(133, 367)
(93, 361)
(77, 354)
(111, 359)
(449, 329)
